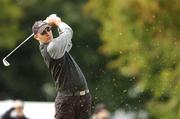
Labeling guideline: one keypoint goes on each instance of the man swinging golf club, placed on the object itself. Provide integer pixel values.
(73, 100)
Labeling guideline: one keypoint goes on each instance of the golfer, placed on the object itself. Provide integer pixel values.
(73, 100)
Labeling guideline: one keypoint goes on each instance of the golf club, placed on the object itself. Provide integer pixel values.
(5, 62)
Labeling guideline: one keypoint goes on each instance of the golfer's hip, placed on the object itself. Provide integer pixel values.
(75, 93)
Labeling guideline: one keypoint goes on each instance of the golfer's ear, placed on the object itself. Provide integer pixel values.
(36, 37)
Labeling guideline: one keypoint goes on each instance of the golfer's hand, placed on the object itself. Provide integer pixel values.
(53, 20)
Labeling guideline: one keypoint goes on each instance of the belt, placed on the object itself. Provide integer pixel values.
(78, 93)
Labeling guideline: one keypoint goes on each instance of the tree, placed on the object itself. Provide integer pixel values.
(143, 36)
(9, 17)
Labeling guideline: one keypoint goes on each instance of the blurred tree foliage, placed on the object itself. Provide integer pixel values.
(9, 17)
(143, 36)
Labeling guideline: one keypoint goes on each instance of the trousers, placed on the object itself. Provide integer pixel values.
(73, 107)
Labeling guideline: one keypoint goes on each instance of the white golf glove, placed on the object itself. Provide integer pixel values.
(53, 19)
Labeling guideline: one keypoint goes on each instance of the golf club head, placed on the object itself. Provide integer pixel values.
(6, 63)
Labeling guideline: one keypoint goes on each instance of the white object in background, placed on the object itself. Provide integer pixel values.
(33, 110)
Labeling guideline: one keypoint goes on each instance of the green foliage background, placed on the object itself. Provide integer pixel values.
(144, 37)
(128, 50)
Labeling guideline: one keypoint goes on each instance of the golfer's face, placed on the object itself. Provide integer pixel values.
(104, 114)
(45, 36)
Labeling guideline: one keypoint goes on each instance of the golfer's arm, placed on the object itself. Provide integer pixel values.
(62, 43)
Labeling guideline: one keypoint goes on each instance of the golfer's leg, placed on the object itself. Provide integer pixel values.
(64, 108)
(84, 107)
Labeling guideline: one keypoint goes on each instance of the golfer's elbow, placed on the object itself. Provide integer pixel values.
(69, 33)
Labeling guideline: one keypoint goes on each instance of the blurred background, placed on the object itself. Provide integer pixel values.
(127, 49)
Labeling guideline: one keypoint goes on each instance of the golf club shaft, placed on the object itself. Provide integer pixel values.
(19, 45)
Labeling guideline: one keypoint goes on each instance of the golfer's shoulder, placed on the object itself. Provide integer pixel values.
(52, 45)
